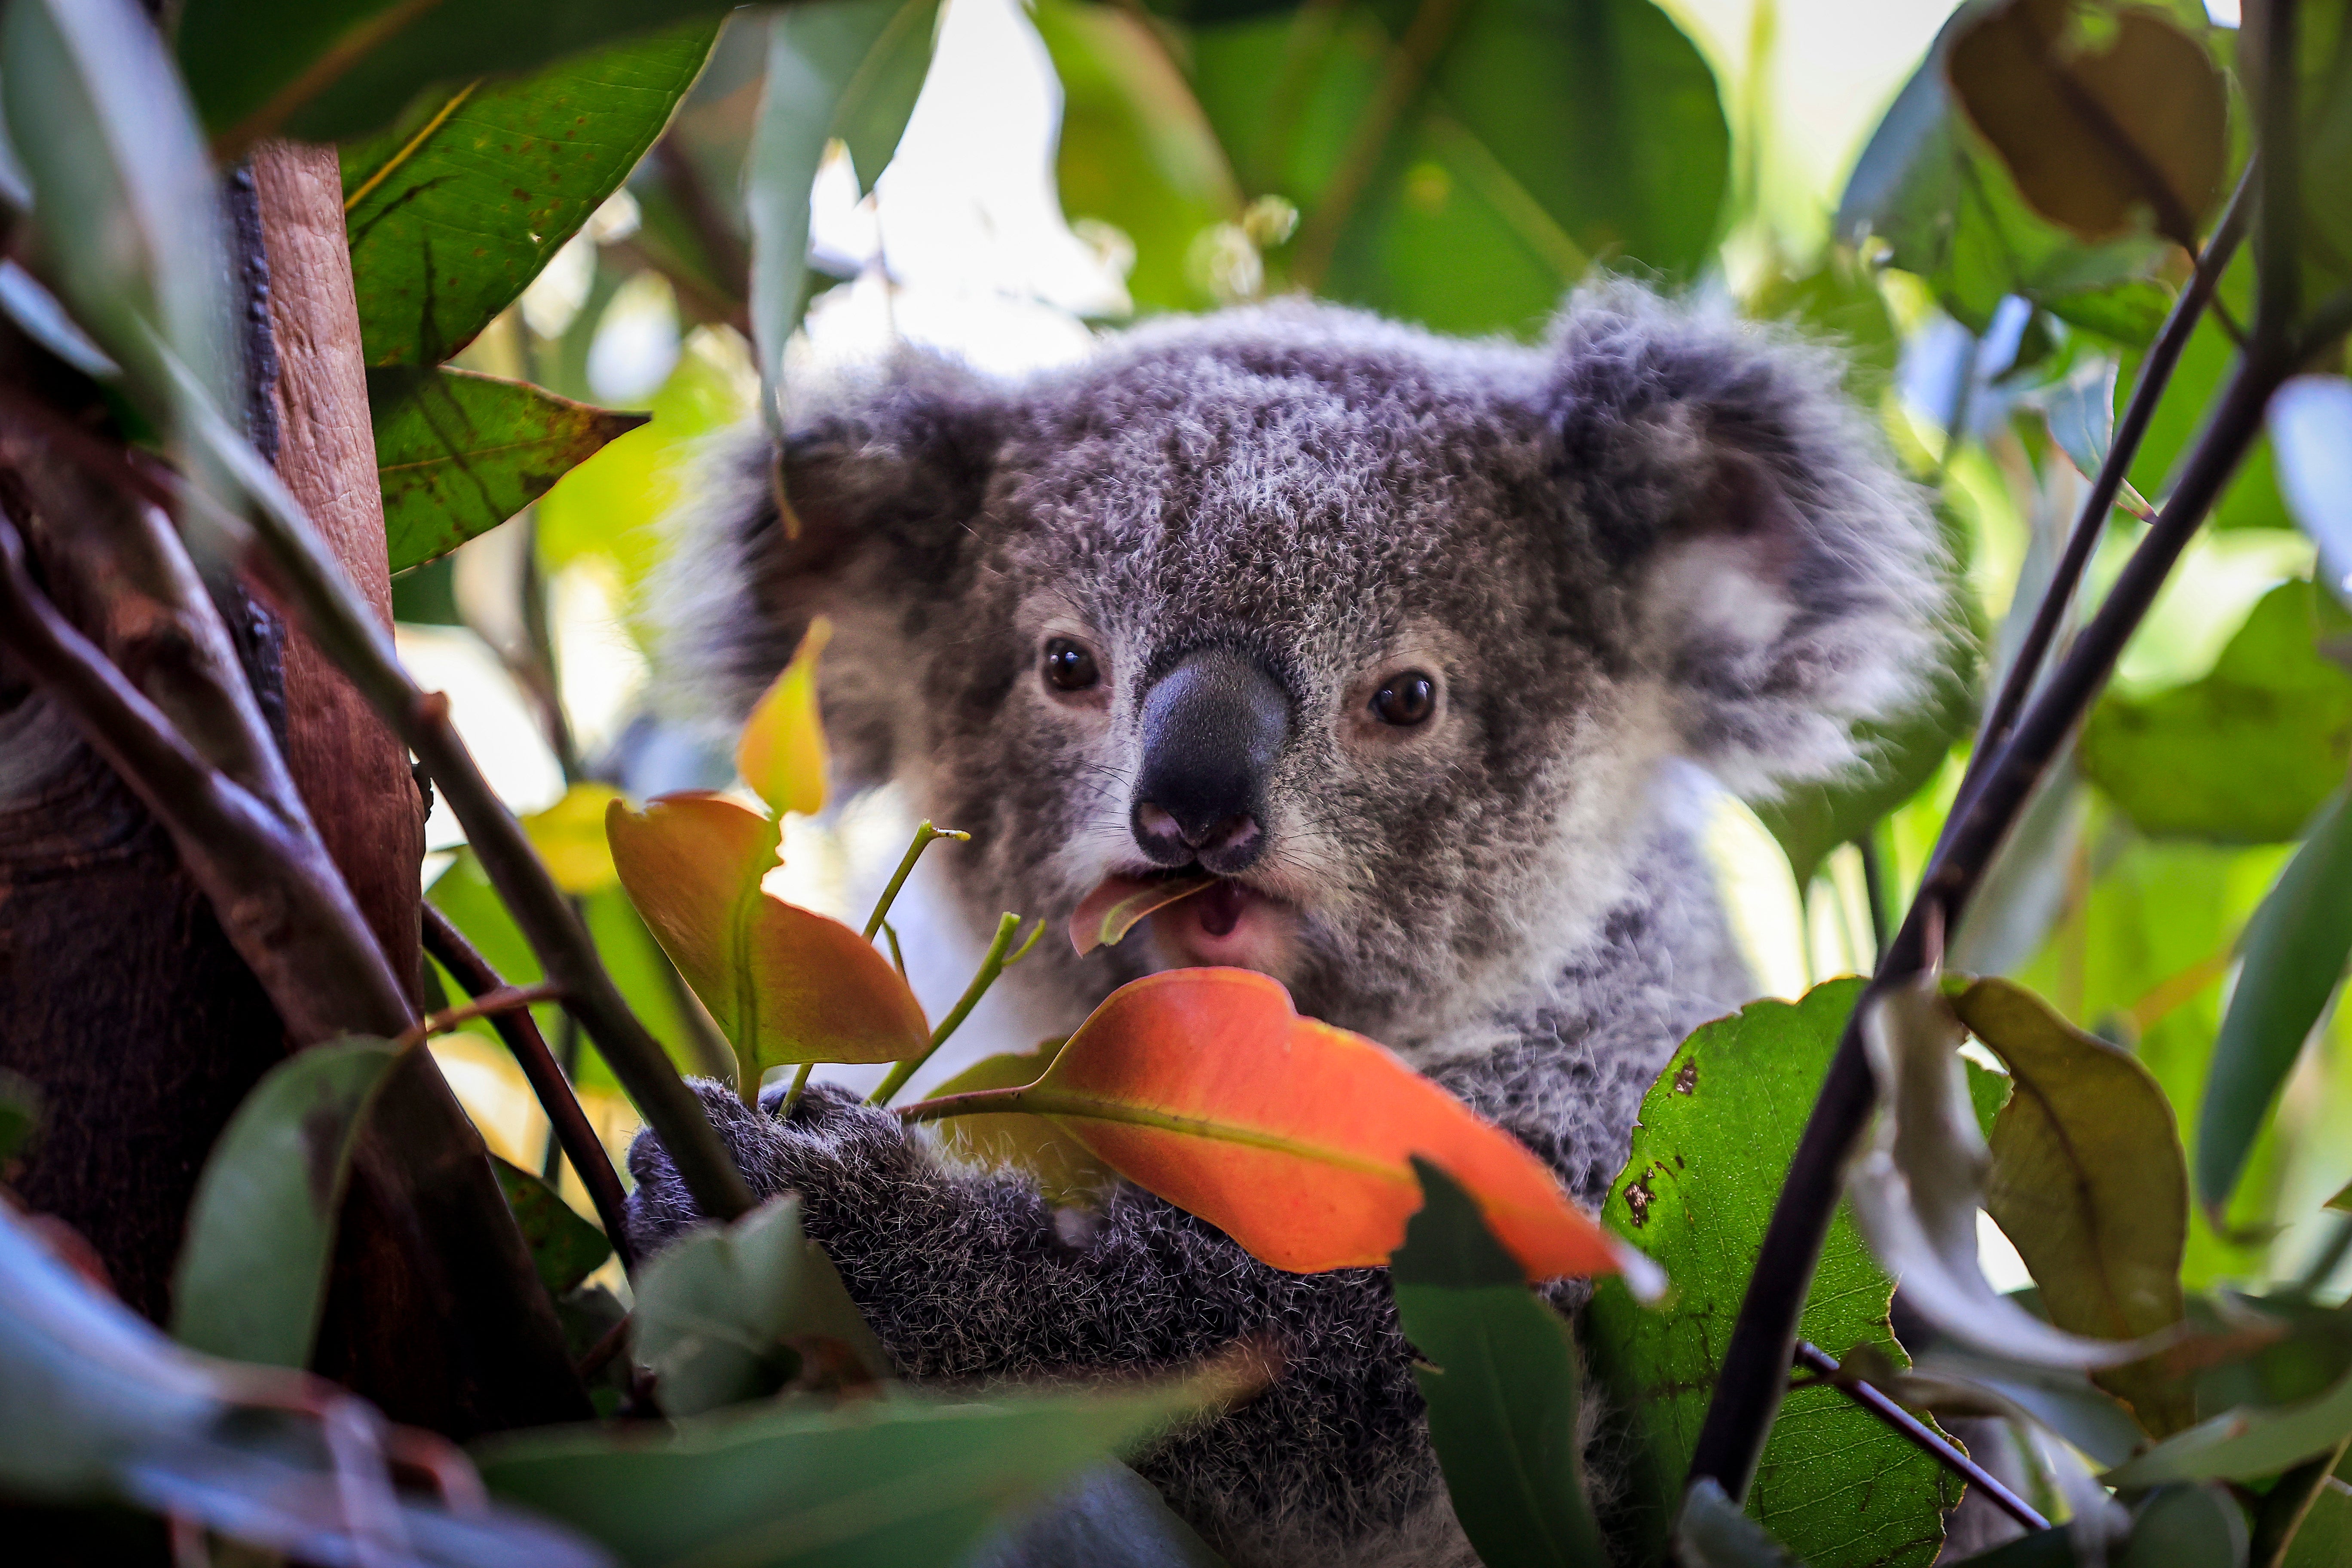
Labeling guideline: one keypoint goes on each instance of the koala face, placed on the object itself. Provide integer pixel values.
(1386, 633)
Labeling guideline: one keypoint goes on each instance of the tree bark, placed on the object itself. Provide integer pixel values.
(422, 1313)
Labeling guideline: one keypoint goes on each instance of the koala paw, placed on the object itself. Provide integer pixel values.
(833, 1149)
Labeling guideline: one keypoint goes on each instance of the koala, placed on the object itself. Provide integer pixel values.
(1411, 643)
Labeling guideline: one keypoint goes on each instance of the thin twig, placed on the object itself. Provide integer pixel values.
(580, 1145)
(1920, 1435)
(505, 999)
(608, 1345)
(792, 1095)
(282, 549)
(925, 836)
(2123, 446)
(2278, 254)
(1425, 36)
(995, 963)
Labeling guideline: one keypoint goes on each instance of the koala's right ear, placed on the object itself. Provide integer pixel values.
(882, 475)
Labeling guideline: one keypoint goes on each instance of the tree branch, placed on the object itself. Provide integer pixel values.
(521, 1032)
(2278, 117)
(1748, 1391)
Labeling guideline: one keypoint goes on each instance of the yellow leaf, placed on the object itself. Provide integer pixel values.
(781, 754)
(569, 837)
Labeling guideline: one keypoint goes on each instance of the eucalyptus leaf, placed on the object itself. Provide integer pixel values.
(457, 453)
(252, 1274)
(565, 1247)
(2089, 1182)
(1710, 1148)
(1498, 1369)
(734, 1313)
(2187, 1527)
(126, 213)
(1112, 1518)
(101, 1408)
(834, 67)
(1916, 1188)
(2245, 1443)
(2039, 1549)
(905, 1480)
(456, 207)
(1949, 210)
(2295, 952)
(328, 70)
(2325, 1540)
(1955, 1382)
(1542, 138)
(2247, 754)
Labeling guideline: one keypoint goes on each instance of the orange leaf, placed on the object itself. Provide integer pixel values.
(781, 751)
(784, 984)
(1065, 1170)
(1294, 1138)
(1104, 916)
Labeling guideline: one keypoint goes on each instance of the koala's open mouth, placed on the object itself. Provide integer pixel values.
(1207, 919)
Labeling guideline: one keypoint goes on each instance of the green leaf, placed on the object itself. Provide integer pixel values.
(735, 1312)
(457, 454)
(1711, 1146)
(453, 210)
(1498, 1371)
(1949, 210)
(1544, 136)
(2089, 1182)
(252, 1273)
(2295, 952)
(2245, 1443)
(1136, 151)
(2187, 1527)
(2325, 1539)
(836, 67)
(328, 70)
(127, 214)
(1947, 1377)
(1713, 1533)
(1112, 1518)
(2244, 755)
(2041, 1549)
(20, 1115)
(566, 1247)
(901, 1480)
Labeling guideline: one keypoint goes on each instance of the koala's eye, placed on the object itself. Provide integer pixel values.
(1069, 666)
(1408, 699)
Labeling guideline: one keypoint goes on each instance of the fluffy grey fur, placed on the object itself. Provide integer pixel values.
(1660, 535)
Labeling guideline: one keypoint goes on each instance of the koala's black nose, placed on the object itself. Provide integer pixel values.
(1213, 729)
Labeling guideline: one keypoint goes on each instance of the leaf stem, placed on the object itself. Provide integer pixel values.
(995, 963)
(792, 1095)
(925, 836)
(519, 1031)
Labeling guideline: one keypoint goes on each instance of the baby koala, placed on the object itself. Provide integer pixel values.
(1409, 641)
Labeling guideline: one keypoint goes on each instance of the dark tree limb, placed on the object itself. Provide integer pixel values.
(521, 1032)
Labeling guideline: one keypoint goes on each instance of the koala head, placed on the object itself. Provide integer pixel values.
(1391, 633)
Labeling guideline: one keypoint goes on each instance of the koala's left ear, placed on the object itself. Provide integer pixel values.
(1778, 572)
